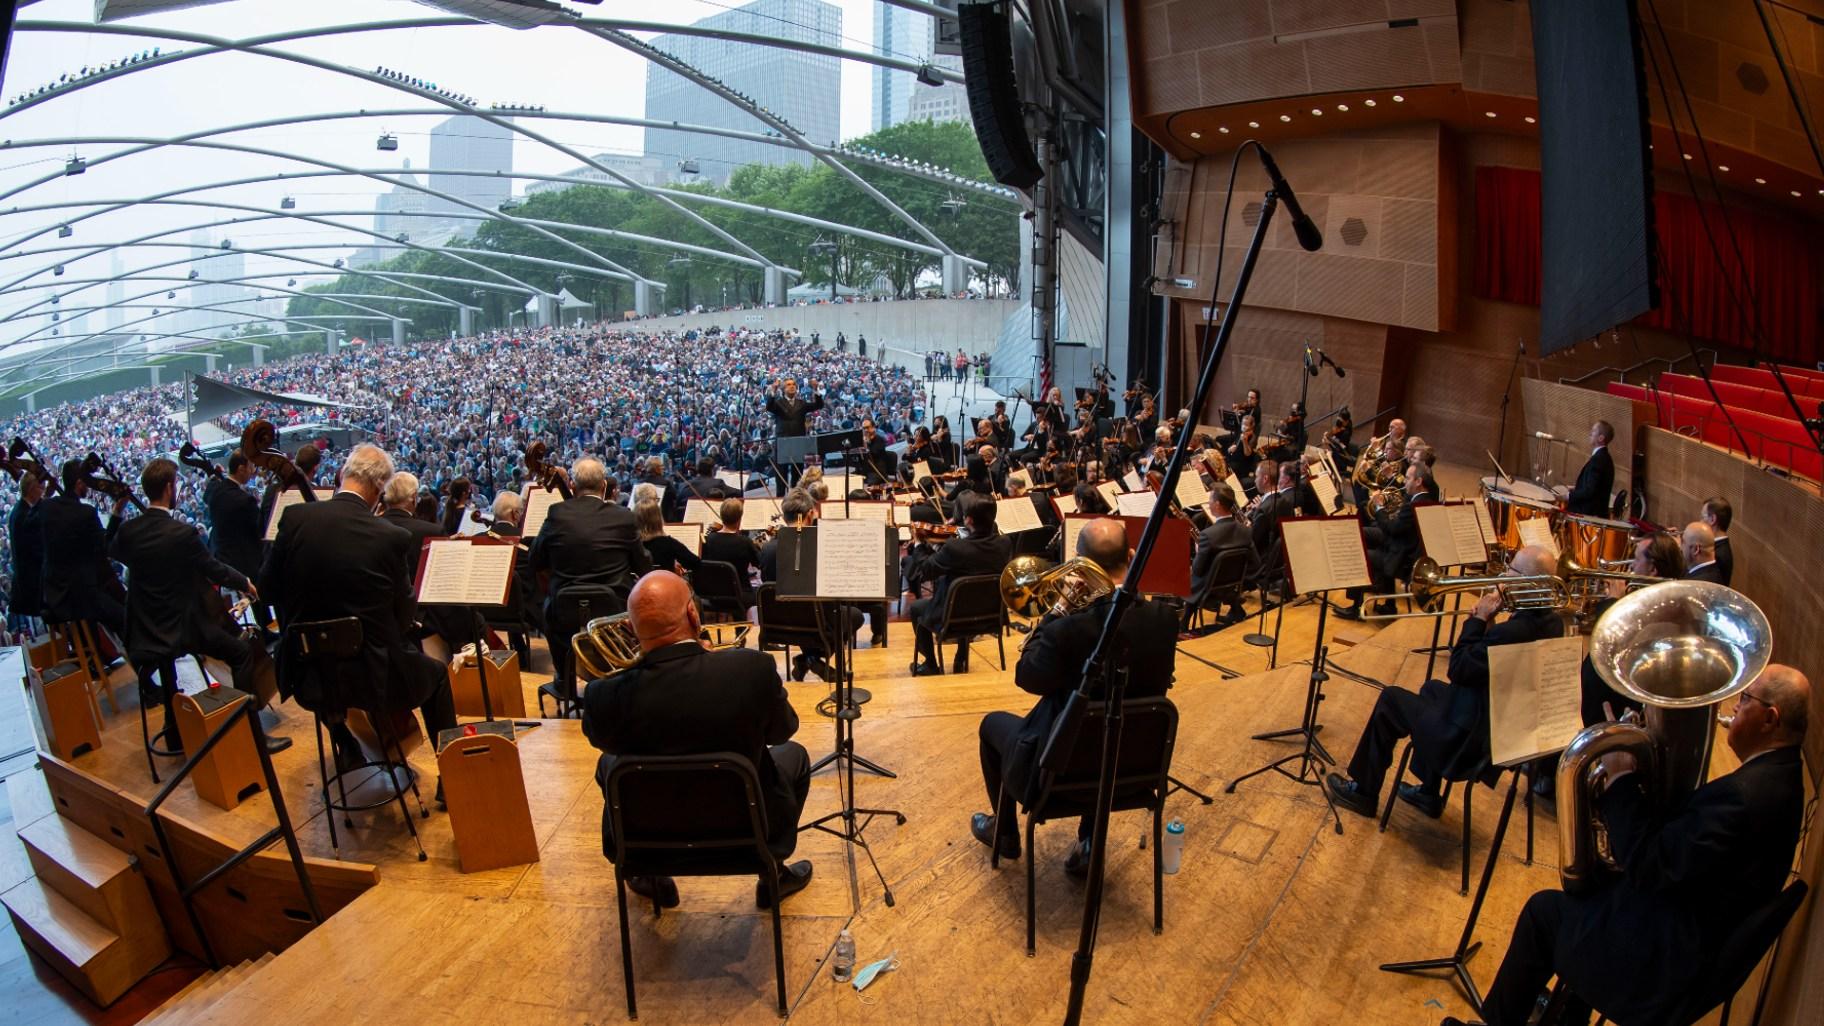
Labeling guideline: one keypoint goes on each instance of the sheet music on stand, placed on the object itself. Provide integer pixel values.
(1538, 531)
(879, 511)
(920, 469)
(1324, 553)
(1535, 698)
(1017, 514)
(731, 478)
(285, 500)
(688, 535)
(1191, 492)
(759, 512)
(1325, 487)
(1019, 477)
(538, 504)
(1064, 504)
(1073, 526)
(1241, 493)
(1110, 492)
(465, 571)
(1132, 481)
(1450, 534)
(839, 560)
(1483, 525)
(701, 511)
(1136, 504)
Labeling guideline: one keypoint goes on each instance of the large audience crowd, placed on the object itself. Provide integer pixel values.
(468, 407)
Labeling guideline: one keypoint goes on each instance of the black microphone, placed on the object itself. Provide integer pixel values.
(1310, 365)
(1302, 226)
(1333, 364)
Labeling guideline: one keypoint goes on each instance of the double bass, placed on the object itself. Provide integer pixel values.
(541, 472)
(257, 445)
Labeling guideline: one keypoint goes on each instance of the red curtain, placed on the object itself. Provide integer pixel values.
(1775, 282)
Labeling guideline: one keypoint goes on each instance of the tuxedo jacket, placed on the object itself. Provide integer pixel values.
(1595, 483)
(1226, 533)
(1712, 572)
(25, 535)
(169, 574)
(1689, 875)
(686, 700)
(789, 414)
(1051, 666)
(587, 540)
(961, 557)
(1401, 544)
(1456, 738)
(235, 527)
(75, 558)
(1725, 560)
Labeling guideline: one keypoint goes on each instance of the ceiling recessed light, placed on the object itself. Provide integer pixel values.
(1687, 156)
(1367, 103)
(1397, 98)
(1760, 181)
(1488, 113)
(1285, 117)
(1722, 167)
(1317, 112)
(1224, 130)
(1343, 107)
(1253, 124)
(1531, 120)
(1795, 194)
(1196, 135)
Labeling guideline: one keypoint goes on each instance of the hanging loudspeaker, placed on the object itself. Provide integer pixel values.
(994, 97)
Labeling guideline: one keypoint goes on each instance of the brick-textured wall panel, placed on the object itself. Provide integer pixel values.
(1295, 16)
(1171, 84)
(1567, 411)
(1419, 295)
(1267, 352)
(1342, 63)
(1251, 71)
(1351, 286)
(1400, 167)
(1366, 212)
(1199, 25)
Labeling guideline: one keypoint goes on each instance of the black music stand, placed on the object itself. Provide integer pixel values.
(480, 586)
(1312, 757)
(799, 581)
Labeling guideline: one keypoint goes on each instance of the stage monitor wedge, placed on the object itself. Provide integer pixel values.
(994, 95)
(1597, 244)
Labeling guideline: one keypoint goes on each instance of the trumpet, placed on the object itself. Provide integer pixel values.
(1030, 585)
(1429, 586)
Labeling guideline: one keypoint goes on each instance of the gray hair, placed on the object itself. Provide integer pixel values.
(507, 506)
(645, 491)
(401, 491)
(589, 475)
(370, 465)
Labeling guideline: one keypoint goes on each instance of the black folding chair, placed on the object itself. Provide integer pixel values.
(1149, 732)
(785, 624)
(718, 587)
(1227, 579)
(332, 649)
(572, 610)
(688, 815)
(973, 607)
(1468, 775)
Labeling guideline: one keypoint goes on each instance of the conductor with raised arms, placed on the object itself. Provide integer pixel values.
(790, 412)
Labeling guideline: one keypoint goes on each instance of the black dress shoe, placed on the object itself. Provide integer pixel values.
(1350, 613)
(662, 889)
(437, 799)
(1076, 864)
(1451, 1020)
(923, 669)
(792, 879)
(1349, 794)
(1387, 608)
(796, 672)
(878, 641)
(274, 745)
(981, 825)
(822, 668)
(1432, 805)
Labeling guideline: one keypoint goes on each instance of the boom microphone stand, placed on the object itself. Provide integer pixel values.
(1097, 667)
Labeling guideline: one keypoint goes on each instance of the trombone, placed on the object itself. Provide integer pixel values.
(1429, 586)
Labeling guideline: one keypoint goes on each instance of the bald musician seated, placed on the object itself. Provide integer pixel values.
(1051, 667)
(1448, 723)
(684, 699)
(1635, 948)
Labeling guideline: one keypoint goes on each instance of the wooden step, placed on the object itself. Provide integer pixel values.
(83, 951)
(179, 1002)
(226, 984)
(92, 874)
(28, 796)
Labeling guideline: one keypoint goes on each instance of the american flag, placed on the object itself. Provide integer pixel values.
(1044, 376)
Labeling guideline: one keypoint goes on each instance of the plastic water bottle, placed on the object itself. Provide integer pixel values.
(1171, 850)
(843, 964)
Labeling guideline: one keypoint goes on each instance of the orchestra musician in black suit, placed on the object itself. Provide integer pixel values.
(1394, 544)
(876, 466)
(585, 540)
(683, 699)
(1298, 479)
(441, 628)
(1224, 532)
(1635, 948)
(1718, 514)
(1269, 507)
(1596, 481)
(980, 549)
(726, 543)
(79, 584)
(173, 609)
(1003, 426)
(1051, 667)
(985, 474)
(25, 538)
(235, 527)
(705, 485)
(1699, 544)
(1448, 722)
(334, 558)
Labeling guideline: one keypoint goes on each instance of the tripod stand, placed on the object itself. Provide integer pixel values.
(853, 819)
(845, 699)
(1312, 757)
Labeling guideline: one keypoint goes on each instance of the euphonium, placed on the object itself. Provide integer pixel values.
(1030, 585)
(1680, 648)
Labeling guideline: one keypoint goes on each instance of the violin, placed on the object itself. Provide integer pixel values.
(547, 476)
(257, 445)
(190, 457)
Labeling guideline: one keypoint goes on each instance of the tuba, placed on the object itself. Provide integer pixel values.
(1680, 648)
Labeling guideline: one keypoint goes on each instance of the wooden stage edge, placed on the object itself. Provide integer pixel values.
(1274, 918)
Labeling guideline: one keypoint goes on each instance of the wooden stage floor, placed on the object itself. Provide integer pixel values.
(1273, 919)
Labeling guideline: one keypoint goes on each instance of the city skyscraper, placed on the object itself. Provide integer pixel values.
(899, 96)
(805, 89)
(465, 143)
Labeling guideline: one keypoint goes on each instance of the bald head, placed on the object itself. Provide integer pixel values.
(1534, 561)
(1104, 542)
(1699, 543)
(1787, 690)
(661, 610)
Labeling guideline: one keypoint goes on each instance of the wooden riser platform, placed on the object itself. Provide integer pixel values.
(1274, 919)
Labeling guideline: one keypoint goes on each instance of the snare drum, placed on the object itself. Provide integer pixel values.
(1590, 540)
(1508, 507)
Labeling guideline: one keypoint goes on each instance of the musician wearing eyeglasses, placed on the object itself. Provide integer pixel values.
(1051, 667)
(1448, 722)
(1636, 949)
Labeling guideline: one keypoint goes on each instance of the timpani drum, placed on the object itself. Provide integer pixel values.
(1592, 540)
(1512, 502)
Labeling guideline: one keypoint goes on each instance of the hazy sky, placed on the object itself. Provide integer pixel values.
(561, 70)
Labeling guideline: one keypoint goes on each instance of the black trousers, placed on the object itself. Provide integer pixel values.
(427, 686)
(1530, 963)
(793, 765)
(1399, 714)
(925, 640)
(999, 732)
